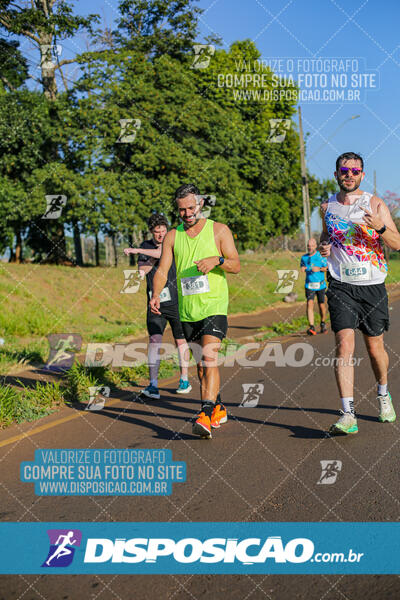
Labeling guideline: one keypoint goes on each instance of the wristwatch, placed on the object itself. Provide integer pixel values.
(380, 231)
(221, 260)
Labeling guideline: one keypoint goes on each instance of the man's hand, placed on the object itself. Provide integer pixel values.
(205, 265)
(128, 251)
(315, 269)
(325, 249)
(373, 219)
(155, 305)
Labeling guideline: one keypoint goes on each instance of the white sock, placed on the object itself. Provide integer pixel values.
(184, 378)
(348, 404)
(154, 382)
(382, 389)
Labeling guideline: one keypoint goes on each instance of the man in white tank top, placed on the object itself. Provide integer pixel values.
(355, 223)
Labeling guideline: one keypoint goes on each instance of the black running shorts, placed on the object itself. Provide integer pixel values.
(157, 323)
(320, 295)
(363, 307)
(216, 325)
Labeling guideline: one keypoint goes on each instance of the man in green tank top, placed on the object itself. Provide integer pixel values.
(204, 251)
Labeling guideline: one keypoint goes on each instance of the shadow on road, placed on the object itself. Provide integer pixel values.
(142, 413)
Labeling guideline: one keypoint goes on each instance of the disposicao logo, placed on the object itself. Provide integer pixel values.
(189, 550)
(62, 547)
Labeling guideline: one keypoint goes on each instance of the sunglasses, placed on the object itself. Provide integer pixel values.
(344, 170)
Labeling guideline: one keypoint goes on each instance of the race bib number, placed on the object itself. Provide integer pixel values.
(351, 273)
(165, 295)
(195, 285)
(314, 285)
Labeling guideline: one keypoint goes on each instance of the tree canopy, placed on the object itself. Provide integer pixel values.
(139, 121)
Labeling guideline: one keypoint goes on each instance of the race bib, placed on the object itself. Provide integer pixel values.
(165, 295)
(314, 285)
(195, 285)
(351, 273)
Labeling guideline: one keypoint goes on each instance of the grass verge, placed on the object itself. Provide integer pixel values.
(24, 404)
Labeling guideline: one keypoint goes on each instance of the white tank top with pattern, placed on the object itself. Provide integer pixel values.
(352, 242)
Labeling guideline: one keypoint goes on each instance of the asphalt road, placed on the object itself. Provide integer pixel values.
(263, 465)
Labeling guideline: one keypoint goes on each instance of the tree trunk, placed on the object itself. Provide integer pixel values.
(97, 250)
(131, 256)
(48, 66)
(114, 245)
(77, 245)
(59, 249)
(18, 247)
(285, 242)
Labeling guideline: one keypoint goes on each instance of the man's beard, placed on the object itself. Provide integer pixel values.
(196, 220)
(348, 190)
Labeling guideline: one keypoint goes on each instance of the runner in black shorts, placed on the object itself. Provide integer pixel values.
(148, 260)
(203, 251)
(314, 266)
(355, 225)
(216, 325)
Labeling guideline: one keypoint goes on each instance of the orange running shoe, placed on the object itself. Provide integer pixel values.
(202, 426)
(219, 416)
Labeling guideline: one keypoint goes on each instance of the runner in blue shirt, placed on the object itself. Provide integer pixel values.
(314, 266)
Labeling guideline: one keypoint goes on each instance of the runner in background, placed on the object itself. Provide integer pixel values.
(355, 223)
(204, 251)
(314, 266)
(148, 260)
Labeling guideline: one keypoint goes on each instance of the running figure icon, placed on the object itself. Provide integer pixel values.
(62, 549)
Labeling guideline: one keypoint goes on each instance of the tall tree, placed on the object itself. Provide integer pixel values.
(157, 27)
(13, 66)
(46, 23)
(25, 140)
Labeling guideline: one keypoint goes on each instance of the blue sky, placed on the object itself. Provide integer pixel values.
(365, 31)
(332, 29)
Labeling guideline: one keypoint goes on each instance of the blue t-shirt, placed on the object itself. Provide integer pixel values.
(314, 280)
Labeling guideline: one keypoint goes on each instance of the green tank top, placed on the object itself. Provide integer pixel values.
(199, 295)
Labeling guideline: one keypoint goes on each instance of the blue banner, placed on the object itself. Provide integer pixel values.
(220, 548)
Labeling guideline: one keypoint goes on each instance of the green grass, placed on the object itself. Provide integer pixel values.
(15, 352)
(38, 300)
(284, 328)
(28, 403)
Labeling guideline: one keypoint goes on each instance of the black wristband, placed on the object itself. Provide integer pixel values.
(380, 231)
(221, 260)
